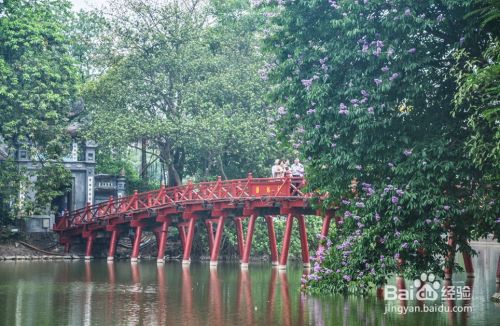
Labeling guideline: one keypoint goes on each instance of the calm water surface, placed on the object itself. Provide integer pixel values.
(98, 293)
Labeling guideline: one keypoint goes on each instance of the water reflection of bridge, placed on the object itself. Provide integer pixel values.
(218, 301)
(212, 203)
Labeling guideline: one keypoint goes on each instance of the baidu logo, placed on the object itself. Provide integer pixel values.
(427, 287)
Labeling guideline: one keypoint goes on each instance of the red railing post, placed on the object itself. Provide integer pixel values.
(111, 205)
(135, 200)
(190, 189)
(88, 213)
(162, 194)
(150, 200)
(288, 185)
(219, 186)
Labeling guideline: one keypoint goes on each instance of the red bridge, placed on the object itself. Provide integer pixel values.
(211, 202)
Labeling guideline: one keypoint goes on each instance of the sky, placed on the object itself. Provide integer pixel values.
(87, 4)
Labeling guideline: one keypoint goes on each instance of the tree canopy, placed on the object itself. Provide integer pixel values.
(367, 88)
(37, 84)
(184, 77)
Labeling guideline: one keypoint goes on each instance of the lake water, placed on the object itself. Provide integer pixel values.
(120, 293)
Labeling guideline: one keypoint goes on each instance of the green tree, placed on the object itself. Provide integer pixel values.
(184, 77)
(366, 89)
(37, 82)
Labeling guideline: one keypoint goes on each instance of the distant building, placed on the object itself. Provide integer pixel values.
(86, 187)
(106, 185)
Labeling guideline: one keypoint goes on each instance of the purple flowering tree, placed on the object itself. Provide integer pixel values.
(383, 100)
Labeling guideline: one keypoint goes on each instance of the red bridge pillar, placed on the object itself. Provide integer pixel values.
(469, 268)
(286, 242)
(214, 254)
(303, 241)
(186, 259)
(115, 234)
(248, 242)
(137, 241)
(162, 241)
(272, 240)
(239, 236)
(210, 235)
(90, 243)
(450, 260)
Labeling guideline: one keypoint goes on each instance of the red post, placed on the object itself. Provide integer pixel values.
(214, 255)
(210, 234)
(182, 236)
(137, 244)
(248, 242)
(303, 241)
(326, 226)
(115, 234)
(401, 285)
(286, 242)
(186, 259)
(469, 268)
(67, 246)
(239, 236)
(450, 259)
(162, 242)
(498, 271)
(272, 240)
(88, 249)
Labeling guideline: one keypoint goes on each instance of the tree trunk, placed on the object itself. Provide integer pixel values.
(144, 160)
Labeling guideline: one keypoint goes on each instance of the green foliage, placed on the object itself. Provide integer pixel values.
(52, 180)
(10, 180)
(366, 91)
(37, 82)
(190, 88)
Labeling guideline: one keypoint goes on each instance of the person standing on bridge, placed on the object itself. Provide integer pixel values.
(277, 170)
(297, 169)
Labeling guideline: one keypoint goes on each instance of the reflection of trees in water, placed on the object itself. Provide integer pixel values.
(121, 293)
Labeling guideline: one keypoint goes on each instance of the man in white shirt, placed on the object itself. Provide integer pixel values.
(297, 169)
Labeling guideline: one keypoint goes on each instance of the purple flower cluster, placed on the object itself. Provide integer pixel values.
(368, 189)
(333, 4)
(311, 111)
(343, 109)
(281, 110)
(394, 76)
(377, 81)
